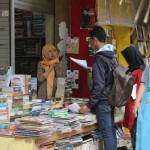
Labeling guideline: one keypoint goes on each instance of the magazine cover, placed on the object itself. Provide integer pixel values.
(72, 45)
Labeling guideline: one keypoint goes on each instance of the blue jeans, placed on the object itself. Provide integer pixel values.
(105, 121)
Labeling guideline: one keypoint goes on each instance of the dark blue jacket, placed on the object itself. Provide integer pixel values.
(102, 78)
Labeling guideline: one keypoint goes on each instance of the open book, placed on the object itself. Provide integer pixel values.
(81, 62)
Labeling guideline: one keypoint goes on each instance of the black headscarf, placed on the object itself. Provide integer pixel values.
(134, 58)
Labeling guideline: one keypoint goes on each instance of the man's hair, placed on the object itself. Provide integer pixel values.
(99, 33)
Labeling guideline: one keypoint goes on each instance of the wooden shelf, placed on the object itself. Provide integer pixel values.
(141, 37)
(143, 40)
(29, 40)
(27, 56)
(22, 38)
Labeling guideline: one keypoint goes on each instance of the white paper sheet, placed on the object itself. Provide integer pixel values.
(81, 62)
(74, 108)
(133, 94)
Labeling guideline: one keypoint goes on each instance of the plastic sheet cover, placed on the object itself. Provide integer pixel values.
(115, 12)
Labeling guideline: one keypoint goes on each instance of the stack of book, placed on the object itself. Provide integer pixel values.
(27, 18)
(4, 114)
(33, 87)
(79, 143)
(19, 24)
(33, 126)
(5, 76)
(40, 106)
(21, 86)
(38, 25)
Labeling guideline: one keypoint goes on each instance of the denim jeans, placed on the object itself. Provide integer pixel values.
(105, 121)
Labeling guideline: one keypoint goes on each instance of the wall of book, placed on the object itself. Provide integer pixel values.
(141, 38)
(36, 5)
(141, 33)
(4, 32)
(29, 39)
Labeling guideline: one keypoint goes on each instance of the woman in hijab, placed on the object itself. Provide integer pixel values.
(46, 71)
(136, 67)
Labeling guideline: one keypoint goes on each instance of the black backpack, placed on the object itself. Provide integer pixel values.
(122, 86)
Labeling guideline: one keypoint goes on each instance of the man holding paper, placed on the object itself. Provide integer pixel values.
(102, 84)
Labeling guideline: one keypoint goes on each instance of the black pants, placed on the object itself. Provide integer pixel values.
(133, 135)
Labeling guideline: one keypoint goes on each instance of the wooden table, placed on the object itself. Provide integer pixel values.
(19, 143)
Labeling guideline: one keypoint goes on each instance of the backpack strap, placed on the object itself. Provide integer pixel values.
(109, 62)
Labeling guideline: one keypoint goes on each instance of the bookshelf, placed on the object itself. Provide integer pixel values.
(29, 39)
(141, 38)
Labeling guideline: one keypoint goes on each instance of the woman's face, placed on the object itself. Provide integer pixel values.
(47, 55)
(55, 54)
(51, 54)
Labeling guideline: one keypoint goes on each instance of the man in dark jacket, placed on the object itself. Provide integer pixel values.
(102, 84)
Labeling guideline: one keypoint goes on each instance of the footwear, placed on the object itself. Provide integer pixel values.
(122, 148)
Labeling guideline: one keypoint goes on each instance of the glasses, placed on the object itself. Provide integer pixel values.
(89, 39)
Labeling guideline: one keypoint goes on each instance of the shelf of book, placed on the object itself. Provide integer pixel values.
(29, 39)
(141, 38)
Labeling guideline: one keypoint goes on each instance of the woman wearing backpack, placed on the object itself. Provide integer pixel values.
(136, 67)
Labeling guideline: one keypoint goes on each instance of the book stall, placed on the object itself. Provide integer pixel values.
(39, 124)
(28, 122)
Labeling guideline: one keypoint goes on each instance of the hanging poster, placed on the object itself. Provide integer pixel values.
(72, 45)
(73, 76)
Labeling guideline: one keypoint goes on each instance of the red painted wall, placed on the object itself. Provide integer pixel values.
(75, 17)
